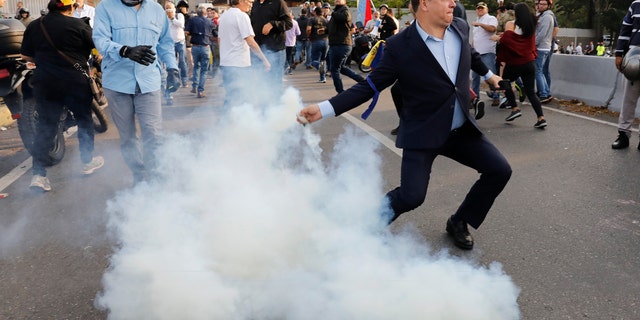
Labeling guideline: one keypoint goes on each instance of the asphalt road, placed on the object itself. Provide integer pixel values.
(566, 229)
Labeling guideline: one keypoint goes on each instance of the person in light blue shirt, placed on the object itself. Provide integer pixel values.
(130, 34)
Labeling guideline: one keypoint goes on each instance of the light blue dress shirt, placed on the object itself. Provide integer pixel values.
(118, 25)
(447, 53)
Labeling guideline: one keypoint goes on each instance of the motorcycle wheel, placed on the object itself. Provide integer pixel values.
(27, 124)
(363, 68)
(100, 123)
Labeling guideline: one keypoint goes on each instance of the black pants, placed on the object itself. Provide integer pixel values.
(467, 148)
(527, 72)
(50, 107)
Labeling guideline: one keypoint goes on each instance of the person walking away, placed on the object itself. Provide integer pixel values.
(518, 52)
(483, 29)
(176, 30)
(59, 85)
(303, 45)
(131, 74)
(83, 10)
(199, 28)
(290, 44)
(544, 36)
(431, 59)
(627, 39)
(236, 44)
(270, 19)
(340, 44)
(318, 35)
(387, 25)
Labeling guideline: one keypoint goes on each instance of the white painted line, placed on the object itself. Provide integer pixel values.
(583, 117)
(15, 174)
(25, 166)
(390, 144)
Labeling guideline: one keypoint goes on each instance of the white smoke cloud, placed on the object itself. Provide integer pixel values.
(249, 223)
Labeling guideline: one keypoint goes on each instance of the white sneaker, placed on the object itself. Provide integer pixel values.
(40, 183)
(95, 164)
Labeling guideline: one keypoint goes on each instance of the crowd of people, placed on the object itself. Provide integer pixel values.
(148, 51)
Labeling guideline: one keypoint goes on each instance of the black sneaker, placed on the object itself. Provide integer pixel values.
(513, 115)
(479, 110)
(540, 124)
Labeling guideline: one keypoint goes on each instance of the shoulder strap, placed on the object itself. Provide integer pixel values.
(65, 56)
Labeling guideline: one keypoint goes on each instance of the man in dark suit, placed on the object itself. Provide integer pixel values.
(431, 60)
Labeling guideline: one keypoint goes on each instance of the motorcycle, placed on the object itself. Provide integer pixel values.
(362, 44)
(16, 89)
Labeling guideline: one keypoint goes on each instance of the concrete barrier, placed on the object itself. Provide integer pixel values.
(594, 80)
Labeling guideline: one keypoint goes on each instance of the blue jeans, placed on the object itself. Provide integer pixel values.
(200, 56)
(338, 55)
(236, 81)
(306, 46)
(489, 60)
(541, 80)
(545, 71)
(272, 78)
(319, 54)
(182, 60)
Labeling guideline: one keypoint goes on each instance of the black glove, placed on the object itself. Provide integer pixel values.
(140, 54)
(173, 80)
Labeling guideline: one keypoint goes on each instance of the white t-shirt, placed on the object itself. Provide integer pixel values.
(482, 38)
(234, 26)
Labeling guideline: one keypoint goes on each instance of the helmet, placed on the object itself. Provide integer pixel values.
(23, 10)
(384, 5)
(630, 66)
(66, 2)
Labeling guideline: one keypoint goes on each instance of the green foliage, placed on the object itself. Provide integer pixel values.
(605, 16)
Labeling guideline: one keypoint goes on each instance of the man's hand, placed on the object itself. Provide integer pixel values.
(267, 28)
(494, 81)
(173, 80)
(140, 54)
(618, 63)
(310, 113)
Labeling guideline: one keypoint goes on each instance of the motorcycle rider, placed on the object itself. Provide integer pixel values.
(58, 84)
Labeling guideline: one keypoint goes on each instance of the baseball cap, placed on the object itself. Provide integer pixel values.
(384, 5)
(481, 4)
(325, 6)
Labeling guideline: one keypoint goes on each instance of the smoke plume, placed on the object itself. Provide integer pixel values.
(251, 221)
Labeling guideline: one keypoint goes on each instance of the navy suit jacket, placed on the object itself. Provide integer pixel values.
(427, 92)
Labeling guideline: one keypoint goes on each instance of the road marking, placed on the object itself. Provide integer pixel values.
(25, 166)
(390, 144)
(15, 174)
(583, 117)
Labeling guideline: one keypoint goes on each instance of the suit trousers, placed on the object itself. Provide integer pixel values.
(467, 147)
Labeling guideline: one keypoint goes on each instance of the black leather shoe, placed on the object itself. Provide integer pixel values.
(622, 142)
(394, 132)
(460, 233)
